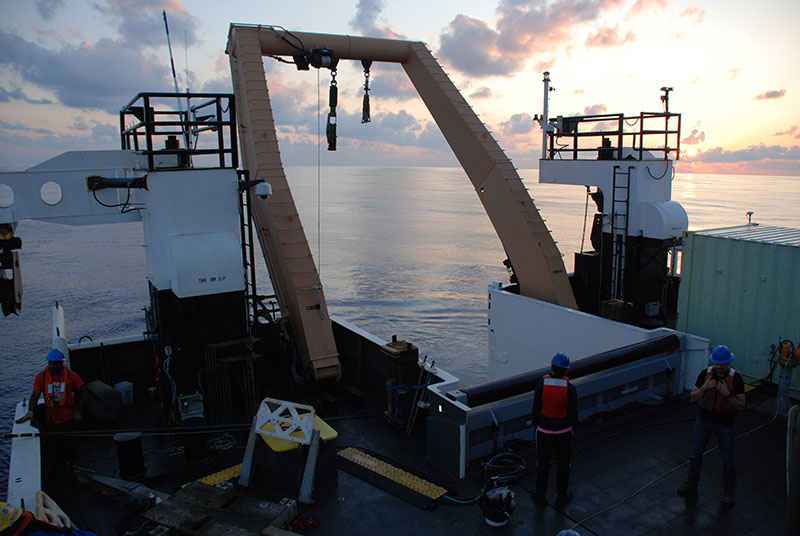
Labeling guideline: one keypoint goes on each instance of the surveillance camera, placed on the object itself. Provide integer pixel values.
(263, 190)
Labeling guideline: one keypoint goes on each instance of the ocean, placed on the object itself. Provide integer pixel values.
(401, 251)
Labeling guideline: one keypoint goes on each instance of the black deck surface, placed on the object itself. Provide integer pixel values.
(626, 468)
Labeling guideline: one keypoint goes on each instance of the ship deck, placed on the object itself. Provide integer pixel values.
(625, 471)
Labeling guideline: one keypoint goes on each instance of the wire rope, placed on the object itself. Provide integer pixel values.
(319, 187)
(585, 215)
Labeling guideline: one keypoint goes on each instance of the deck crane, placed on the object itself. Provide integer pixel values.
(537, 262)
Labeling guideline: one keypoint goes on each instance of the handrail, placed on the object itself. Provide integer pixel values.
(148, 121)
(567, 139)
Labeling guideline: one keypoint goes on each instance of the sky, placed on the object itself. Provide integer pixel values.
(68, 66)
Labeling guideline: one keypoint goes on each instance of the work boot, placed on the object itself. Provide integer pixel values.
(563, 500)
(687, 488)
(729, 499)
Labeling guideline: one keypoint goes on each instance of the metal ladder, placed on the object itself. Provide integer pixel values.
(248, 255)
(620, 203)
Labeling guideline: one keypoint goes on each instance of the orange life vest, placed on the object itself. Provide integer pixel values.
(555, 397)
(58, 390)
(712, 400)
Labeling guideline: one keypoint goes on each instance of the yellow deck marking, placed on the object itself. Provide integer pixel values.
(404, 478)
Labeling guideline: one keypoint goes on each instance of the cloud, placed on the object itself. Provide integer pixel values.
(17, 94)
(366, 20)
(481, 93)
(391, 81)
(97, 128)
(771, 94)
(527, 26)
(647, 5)
(517, 124)
(50, 32)
(695, 13)
(21, 127)
(524, 30)
(694, 138)
(599, 126)
(49, 8)
(733, 74)
(103, 75)
(609, 37)
(472, 47)
(22, 146)
(595, 109)
(140, 22)
(751, 154)
(393, 138)
(756, 159)
(793, 131)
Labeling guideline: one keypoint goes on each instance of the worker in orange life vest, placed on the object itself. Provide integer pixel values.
(555, 412)
(719, 393)
(61, 388)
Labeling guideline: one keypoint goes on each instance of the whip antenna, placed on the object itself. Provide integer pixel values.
(175, 80)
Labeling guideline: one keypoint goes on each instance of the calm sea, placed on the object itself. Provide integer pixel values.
(402, 251)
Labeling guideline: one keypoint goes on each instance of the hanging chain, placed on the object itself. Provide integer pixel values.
(365, 105)
(330, 128)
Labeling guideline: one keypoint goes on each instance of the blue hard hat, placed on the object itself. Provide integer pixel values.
(721, 355)
(560, 360)
(55, 355)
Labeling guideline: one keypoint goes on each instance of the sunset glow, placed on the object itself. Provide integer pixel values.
(67, 67)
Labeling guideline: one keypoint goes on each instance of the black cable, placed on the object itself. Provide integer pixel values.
(278, 58)
(354, 417)
(124, 205)
(144, 432)
(301, 48)
(666, 168)
(653, 481)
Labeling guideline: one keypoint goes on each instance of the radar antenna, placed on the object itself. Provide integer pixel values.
(665, 98)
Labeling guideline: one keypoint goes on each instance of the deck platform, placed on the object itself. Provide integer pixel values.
(626, 467)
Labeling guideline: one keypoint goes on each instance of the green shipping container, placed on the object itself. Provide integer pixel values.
(740, 286)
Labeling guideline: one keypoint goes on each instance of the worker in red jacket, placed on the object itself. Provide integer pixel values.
(61, 388)
(555, 412)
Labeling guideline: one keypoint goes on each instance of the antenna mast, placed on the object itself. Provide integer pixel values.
(175, 81)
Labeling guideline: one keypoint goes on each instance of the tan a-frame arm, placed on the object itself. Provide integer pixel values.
(533, 253)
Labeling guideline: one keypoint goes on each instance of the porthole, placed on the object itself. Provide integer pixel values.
(51, 193)
(6, 196)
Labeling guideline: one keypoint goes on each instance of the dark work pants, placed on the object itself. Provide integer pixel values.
(545, 445)
(725, 434)
(60, 449)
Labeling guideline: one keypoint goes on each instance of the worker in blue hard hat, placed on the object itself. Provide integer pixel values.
(555, 412)
(61, 388)
(719, 393)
